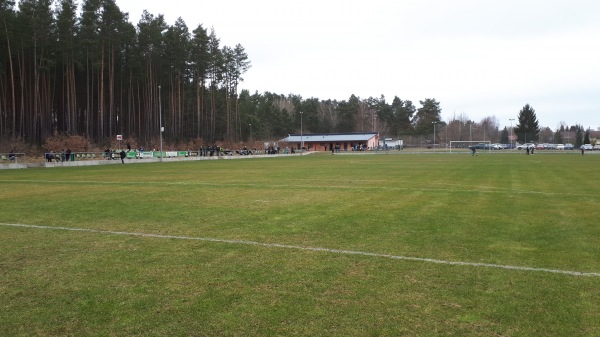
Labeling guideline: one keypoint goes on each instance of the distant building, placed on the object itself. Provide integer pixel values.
(571, 136)
(390, 143)
(327, 141)
(594, 136)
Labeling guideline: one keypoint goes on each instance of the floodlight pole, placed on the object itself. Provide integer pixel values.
(160, 123)
(374, 122)
(434, 123)
(301, 136)
(118, 131)
(511, 131)
(470, 132)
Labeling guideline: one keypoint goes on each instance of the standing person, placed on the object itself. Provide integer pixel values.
(582, 151)
(122, 153)
(527, 149)
(68, 154)
(473, 150)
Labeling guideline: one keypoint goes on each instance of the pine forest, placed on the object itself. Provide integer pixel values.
(86, 70)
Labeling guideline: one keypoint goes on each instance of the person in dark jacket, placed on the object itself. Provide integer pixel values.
(122, 153)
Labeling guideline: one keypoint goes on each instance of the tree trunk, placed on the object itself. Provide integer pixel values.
(101, 134)
(12, 83)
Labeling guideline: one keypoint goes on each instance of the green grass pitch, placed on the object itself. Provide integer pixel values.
(215, 248)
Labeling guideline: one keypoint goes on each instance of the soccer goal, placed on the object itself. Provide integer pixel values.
(465, 145)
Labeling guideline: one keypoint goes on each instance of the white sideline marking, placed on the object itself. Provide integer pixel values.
(314, 249)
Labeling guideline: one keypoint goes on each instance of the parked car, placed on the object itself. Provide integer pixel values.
(550, 146)
(482, 146)
(597, 147)
(587, 147)
(525, 146)
(569, 146)
(560, 146)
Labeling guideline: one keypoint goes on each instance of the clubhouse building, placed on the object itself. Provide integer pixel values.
(327, 141)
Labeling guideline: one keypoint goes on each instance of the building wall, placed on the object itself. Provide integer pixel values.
(344, 145)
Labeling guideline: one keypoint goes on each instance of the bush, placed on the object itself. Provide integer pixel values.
(16, 144)
(59, 142)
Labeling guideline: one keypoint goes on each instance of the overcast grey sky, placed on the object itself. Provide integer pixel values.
(478, 58)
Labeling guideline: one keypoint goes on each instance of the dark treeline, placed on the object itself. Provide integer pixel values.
(91, 72)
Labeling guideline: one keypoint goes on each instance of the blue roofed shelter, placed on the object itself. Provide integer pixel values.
(327, 141)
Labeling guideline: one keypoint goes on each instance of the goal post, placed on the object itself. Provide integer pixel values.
(465, 145)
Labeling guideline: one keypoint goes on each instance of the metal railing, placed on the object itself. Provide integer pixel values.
(13, 158)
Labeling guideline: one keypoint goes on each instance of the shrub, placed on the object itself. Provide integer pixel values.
(59, 142)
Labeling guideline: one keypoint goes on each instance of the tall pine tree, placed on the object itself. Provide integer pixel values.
(528, 129)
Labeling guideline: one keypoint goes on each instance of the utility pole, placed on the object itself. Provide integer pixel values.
(511, 132)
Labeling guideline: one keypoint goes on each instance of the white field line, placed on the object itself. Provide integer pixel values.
(313, 249)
